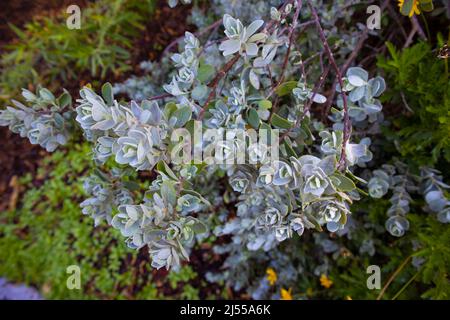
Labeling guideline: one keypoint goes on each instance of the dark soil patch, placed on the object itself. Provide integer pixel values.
(17, 158)
(19, 13)
(166, 25)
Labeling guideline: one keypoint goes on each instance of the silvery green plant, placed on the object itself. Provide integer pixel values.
(137, 136)
(403, 183)
(379, 184)
(362, 94)
(241, 39)
(244, 76)
(106, 192)
(434, 191)
(45, 119)
(134, 134)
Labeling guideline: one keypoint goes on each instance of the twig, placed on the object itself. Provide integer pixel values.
(291, 38)
(407, 284)
(397, 20)
(416, 28)
(344, 68)
(392, 277)
(348, 62)
(159, 97)
(346, 137)
(214, 82)
(316, 88)
(406, 102)
(272, 23)
(288, 52)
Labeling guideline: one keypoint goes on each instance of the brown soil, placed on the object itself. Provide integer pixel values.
(163, 27)
(20, 12)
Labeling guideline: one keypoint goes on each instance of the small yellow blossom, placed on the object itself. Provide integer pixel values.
(271, 276)
(348, 298)
(286, 294)
(325, 281)
(414, 9)
(309, 292)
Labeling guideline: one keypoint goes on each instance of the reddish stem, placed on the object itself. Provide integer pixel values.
(215, 82)
(347, 124)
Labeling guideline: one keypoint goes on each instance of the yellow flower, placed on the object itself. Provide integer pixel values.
(271, 276)
(325, 282)
(414, 8)
(286, 294)
(348, 298)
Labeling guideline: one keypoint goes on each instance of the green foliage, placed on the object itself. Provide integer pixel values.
(48, 233)
(418, 82)
(181, 278)
(434, 237)
(183, 275)
(47, 50)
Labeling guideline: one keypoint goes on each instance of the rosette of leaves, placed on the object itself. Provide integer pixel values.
(379, 184)
(248, 227)
(316, 174)
(98, 115)
(332, 213)
(241, 39)
(362, 95)
(220, 115)
(241, 181)
(47, 120)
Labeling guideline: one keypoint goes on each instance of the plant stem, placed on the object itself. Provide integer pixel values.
(347, 124)
(406, 284)
(427, 29)
(392, 277)
(214, 83)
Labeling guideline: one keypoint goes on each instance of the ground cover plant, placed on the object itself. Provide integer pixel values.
(276, 151)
